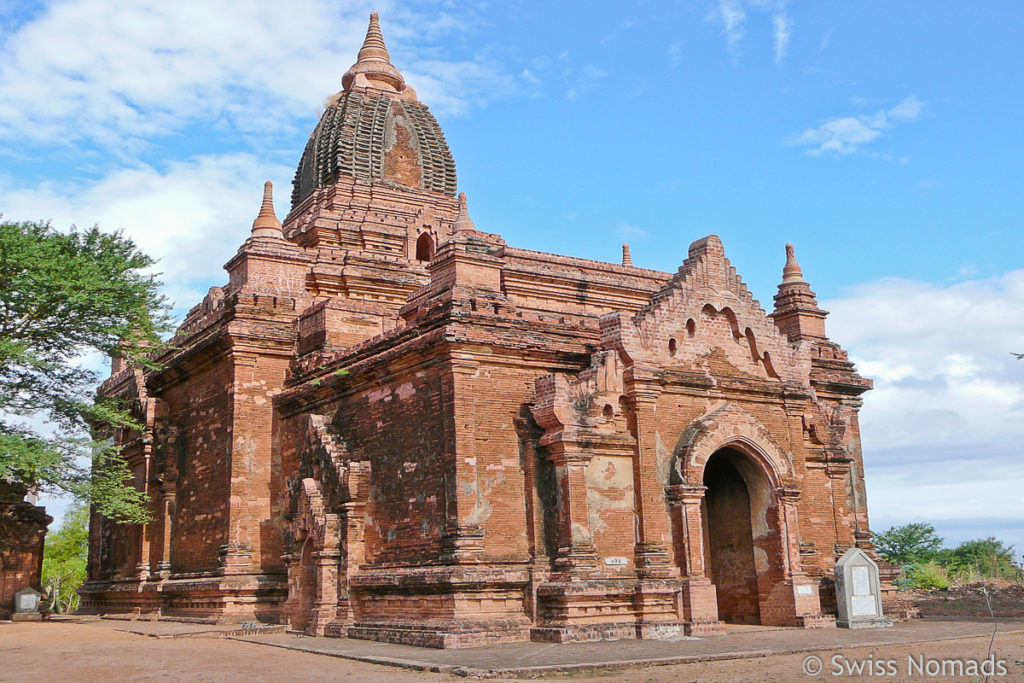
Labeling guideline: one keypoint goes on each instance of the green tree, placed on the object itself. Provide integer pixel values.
(908, 544)
(63, 294)
(64, 559)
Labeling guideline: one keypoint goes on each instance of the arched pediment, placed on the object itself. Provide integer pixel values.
(728, 425)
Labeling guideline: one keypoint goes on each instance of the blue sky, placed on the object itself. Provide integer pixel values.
(883, 139)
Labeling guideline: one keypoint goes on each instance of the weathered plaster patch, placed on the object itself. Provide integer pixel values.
(481, 511)
(663, 460)
(379, 394)
(761, 563)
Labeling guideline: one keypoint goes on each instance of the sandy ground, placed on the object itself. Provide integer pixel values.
(93, 652)
(789, 667)
(97, 652)
(976, 600)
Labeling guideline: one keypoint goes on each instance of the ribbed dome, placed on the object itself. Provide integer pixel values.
(376, 129)
(370, 136)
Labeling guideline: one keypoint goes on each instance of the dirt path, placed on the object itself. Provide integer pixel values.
(97, 652)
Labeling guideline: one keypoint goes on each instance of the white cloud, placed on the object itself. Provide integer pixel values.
(455, 88)
(826, 39)
(583, 82)
(783, 31)
(943, 429)
(846, 135)
(733, 19)
(731, 16)
(529, 77)
(908, 109)
(116, 70)
(192, 215)
(627, 230)
(675, 53)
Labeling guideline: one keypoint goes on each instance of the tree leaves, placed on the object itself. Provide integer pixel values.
(63, 294)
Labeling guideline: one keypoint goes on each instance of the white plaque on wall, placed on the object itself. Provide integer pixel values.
(616, 561)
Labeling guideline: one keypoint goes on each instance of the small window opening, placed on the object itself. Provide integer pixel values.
(424, 247)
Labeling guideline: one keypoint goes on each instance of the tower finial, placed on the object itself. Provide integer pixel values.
(627, 259)
(463, 221)
(373, 64)
(797, 314)
(373, 44)
(791, 272)
(266, 223)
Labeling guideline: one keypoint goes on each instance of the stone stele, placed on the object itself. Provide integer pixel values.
(858, 592)
(26, 605)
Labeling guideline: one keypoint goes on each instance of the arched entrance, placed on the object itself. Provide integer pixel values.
(736, 506)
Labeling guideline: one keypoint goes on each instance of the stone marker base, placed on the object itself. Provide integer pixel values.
(701, 629)
(873, 622)
(582, 633)
(589, 633)
(435, 634)
(26, 616)
(816, 621)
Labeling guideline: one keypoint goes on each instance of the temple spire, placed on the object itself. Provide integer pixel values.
(463, 221)
(266, 223)
(627, 259)
(373, 68)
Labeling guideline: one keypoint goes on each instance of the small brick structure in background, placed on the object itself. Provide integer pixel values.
(392, 425)
(22, 533)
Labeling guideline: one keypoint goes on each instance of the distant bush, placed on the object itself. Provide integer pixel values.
(908, 544)
(925, 576)
(927, 565)
(988, 558)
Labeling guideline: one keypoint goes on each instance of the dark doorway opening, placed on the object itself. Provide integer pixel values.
(729, 542)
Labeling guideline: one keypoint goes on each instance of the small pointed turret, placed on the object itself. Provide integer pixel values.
(797, 314)
(792, 272)
(266, 223)
(627, 259)
(463, 221)
(373, 67)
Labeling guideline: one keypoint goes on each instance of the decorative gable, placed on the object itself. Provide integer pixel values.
(706, 311)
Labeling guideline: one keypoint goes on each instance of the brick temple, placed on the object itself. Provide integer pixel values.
(390, 424)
